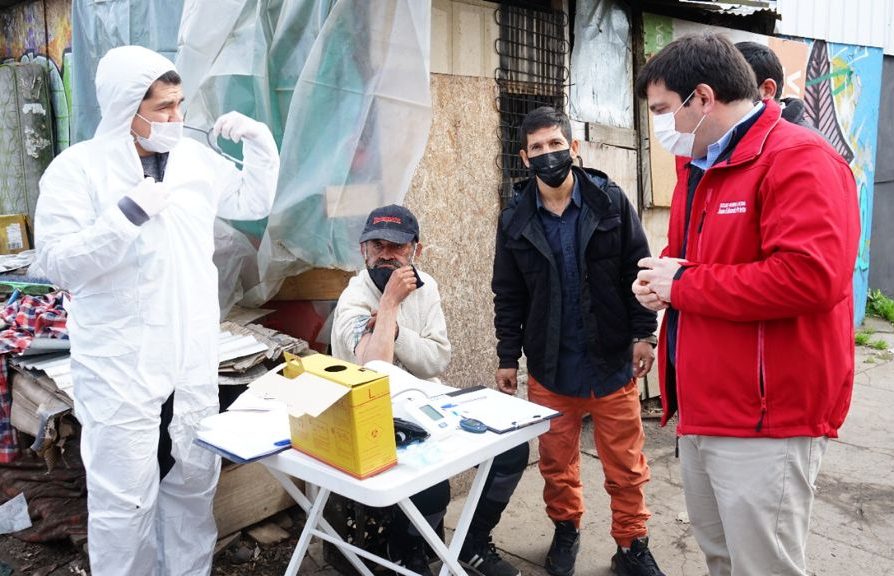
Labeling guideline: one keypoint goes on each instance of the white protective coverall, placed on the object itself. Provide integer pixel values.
(144, 320)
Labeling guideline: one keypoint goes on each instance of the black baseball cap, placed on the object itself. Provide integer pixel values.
(392, 223)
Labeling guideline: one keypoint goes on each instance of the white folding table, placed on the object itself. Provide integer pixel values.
(456, 453)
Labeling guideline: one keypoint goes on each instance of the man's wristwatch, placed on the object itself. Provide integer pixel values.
(651, 339)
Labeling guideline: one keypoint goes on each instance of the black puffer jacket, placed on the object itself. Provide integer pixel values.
(795, 112)
(528, 292)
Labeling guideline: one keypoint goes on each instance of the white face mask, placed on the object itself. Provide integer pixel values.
(677, 143)
(163, 136)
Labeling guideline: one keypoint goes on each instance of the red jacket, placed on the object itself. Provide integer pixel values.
(765, 341)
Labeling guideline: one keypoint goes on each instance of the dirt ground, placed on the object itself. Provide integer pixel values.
(240, 556)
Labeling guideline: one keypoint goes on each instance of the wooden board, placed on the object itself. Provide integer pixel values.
(618, 163)
(455, 196)
(315, 284)
(664, 171)
(463, 33)
(246, 495)
(611, 136)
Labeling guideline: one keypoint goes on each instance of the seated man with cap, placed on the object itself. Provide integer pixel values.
(391, 311)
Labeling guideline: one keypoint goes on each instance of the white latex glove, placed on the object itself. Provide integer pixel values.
(235, 126)
(151, 196)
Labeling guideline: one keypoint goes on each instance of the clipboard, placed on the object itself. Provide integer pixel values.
(275, 448)
(500, 412)
(245, 435)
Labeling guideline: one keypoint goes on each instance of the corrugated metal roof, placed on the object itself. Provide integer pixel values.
(58, 366)
(859, 22)
(745, 8)
(233, 346)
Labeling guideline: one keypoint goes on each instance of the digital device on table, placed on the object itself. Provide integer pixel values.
(428, 414)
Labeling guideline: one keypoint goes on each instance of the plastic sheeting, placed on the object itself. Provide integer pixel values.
(237, 265)
(357, 127)
(345, 88)
(343, 85)
(602, 58)
(249, 60)
(99, 25)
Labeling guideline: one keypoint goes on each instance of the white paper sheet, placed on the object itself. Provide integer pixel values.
(246, 434)
(499, 412)
(14, 515)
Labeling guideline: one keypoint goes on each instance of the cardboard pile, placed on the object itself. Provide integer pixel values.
(39, 409)
(273, 345)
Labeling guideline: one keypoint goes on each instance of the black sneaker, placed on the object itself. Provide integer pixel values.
(638, 561)
(410, 554)
(480, 556)
(563, 551)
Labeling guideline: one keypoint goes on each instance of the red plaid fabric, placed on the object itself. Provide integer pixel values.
(20, 322)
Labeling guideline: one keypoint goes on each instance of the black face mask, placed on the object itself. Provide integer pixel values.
(381, 275)
(552, 167)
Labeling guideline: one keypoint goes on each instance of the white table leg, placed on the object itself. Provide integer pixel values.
(465, 517)
(314, 514)
(315, 518)
(450, 556)
(431, 537)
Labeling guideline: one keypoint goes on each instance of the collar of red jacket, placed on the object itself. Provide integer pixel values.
(752, 143)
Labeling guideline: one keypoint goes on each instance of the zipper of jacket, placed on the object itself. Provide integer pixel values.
(760, 338)
(698, 247)
(701, 222)
(698, 243)
(677, 379)
(760, 377)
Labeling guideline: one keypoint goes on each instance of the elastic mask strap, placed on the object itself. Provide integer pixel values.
(213, 145)
(134, 134)
(680, 107)
(699, 123)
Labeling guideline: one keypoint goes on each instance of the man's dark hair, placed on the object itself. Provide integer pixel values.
(700, 59)
(544, 117)
(764, 62)
(170, 77)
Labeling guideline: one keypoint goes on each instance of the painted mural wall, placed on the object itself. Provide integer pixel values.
(840, 85)
(40, 31)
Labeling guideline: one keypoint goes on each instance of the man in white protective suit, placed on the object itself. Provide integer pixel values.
(125, 223)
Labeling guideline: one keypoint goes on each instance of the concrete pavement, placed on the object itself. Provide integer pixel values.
(852, 531)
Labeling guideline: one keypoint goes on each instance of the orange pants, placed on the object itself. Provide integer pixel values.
(618, 431)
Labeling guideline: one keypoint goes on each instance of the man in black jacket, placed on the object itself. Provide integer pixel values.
(566, 254)
(769, 74)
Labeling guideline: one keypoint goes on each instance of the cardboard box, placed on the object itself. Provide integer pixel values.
(339, 413)
(13, 233)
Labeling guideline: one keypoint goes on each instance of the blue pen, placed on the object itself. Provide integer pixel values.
(285, 442)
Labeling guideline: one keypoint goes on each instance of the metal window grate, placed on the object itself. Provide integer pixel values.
(532, 73)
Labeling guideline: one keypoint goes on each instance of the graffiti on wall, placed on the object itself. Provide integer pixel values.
(40, 31)
(841, 95)
(840, 85)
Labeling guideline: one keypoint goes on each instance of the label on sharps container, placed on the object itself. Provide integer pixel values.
(14, 239)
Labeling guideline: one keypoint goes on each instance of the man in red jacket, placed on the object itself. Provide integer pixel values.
(756, 351)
